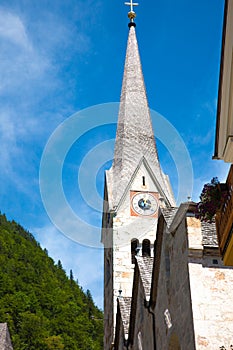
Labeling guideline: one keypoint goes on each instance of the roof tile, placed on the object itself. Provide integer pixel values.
(125, 307)
(169, 214)
(145, 265)
(209, 234)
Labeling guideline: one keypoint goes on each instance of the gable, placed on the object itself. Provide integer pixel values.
(144, 180)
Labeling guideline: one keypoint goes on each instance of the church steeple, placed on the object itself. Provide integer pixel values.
(135, 137)
(135, 187)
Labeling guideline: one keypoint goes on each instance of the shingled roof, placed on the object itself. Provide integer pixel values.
(209, 234)
(208, 230)
(145, 265)
(5, 341)
(125, 307)
(169, 214)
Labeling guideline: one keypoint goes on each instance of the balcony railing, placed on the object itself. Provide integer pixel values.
(224, 218)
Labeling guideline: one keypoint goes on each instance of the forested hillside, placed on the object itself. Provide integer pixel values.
(44, 309)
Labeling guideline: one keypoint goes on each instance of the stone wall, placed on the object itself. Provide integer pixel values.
(211, 292)
(173, 305)
(141, 336)
(108, 299)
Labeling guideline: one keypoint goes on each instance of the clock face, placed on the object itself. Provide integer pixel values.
(144, 204)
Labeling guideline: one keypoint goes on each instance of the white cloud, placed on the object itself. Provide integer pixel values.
(27, 75)
(201, 140)
(13, 29)
(7, 128)
(35, 57)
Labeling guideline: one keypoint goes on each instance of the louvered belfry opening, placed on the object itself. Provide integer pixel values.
(146, 247)
(134, 249)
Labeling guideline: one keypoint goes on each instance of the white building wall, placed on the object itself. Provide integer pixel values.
(211, 287)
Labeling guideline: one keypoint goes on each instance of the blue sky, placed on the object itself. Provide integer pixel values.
(58, 58)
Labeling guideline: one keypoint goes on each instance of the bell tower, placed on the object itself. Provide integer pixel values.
(135, 187)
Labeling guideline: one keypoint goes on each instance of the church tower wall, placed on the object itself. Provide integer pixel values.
(121, 230)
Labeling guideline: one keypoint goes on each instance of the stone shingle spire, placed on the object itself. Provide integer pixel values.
(135, 137)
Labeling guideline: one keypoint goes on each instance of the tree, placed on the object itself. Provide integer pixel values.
(71, 275)
(44, 308)
(211, 199)
(54, 342)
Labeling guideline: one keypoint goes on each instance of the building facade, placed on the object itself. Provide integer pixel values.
(181, 298)
(165, 286)
(224, 135)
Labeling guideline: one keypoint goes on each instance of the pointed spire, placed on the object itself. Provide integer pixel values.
(134, 132)
(135, 136)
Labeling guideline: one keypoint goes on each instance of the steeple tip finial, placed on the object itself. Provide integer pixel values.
(131, 13)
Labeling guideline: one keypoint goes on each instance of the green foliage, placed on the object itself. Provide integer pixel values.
(44, 309)
(54, 342)
(212, 197)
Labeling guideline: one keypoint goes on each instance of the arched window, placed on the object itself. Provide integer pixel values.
(134, 246)
(146, 247)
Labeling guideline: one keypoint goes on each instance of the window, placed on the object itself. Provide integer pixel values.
(143, 181)
(146, 247)
(134, 249)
